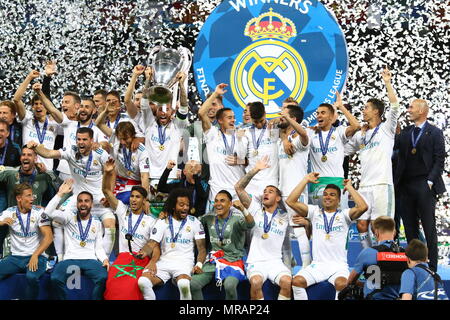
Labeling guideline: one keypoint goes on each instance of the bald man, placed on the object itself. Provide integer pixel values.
(418, 177)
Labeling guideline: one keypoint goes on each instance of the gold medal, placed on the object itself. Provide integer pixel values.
(362, 146)
(192, 210)
(220, 243)
(2, 168)
(83, 243)
(324, 158)
(327, 236)
(265, 236)
(161, 147)
(414, 151)
(172, 245)
(255, 153)
(129, 173)
(289, 156)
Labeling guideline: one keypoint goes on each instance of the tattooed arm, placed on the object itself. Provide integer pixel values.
(245, 180)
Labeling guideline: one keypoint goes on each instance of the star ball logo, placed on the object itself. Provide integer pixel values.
(269, 50)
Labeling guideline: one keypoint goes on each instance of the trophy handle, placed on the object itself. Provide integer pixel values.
(186, 58)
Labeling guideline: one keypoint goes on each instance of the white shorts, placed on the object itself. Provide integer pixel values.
(320, 271)
(98, 210)
(380, 200)
(166, 270)
(272, 270)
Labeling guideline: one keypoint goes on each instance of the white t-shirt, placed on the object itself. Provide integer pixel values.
(139, 160)
(335, 153)
(267, 147)
(173, 134)
(123, 117)
(266, 249)
(375, 157)
(139, 120)
(93, 180)
(333, 250)
(69, 130)
(292, 169)
(25, 244)
(184, 247)
(142, 234)
(30, 134)
(222, 175)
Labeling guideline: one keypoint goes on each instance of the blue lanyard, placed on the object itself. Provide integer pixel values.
(328, 226)
(371, 137)
(90, 124)
(268, 225)
(290, 136)
(41, 134)
(88, 165)
(229, 149)
(132, 230)
(84, 234)
(2, 159)
(26, 229)
(256, 143)
(414, 142)
(174, 238)
(161, 134)
(324, 148)
(127, 158)
(115, 122)
(30, 180)
(220, 233)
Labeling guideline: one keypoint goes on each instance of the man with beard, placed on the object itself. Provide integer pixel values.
(264, 259)
(30, 237)
(86, 166)
(8, 114)
(134, 229)
(36, 125)
(175, 236)
(83, 243)
(293, 150)
(133, 164)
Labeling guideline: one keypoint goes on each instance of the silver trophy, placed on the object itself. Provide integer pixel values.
(165, 64)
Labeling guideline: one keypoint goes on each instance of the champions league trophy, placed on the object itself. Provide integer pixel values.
(165, 64)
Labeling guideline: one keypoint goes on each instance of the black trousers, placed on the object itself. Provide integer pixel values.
(418, 203)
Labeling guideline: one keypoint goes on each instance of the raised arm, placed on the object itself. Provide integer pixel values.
(183, 91)
(43, 151)
(203, 111)
(100, 123)
(297, 126)
(56, 114)
(387, 76)
(240, 186)
(292, 200)
(18, 95)
(108, 169)
(360, 205)
(131, 108)
(354, 124)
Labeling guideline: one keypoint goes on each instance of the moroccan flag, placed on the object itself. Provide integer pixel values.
(123, 275)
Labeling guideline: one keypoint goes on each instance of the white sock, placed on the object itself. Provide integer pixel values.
(281, 297)
(146, 287)
(108, 240)
(364, 237)
(184, 286)
(58, 242)
(304, 246)
(299, 293)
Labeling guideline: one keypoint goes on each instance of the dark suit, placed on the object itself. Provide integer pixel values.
(411, 178)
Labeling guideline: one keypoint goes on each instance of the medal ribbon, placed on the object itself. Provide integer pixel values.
(291, 135)
(256, 143)
(161, 134)
(127, 158)
(324, 148)
(88, 165)
(26, 229)
(41, 134)
(132, 229)
(414, 142)
(89, 126)
(115, 122)
(84, 234)
(174, 238)
(268, 225)
(229, 149)
(371, 137)
(328, 226)
(221, 232)
(2, 159)
(30, 180)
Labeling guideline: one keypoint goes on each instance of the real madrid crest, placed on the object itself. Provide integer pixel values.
(188, 229)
